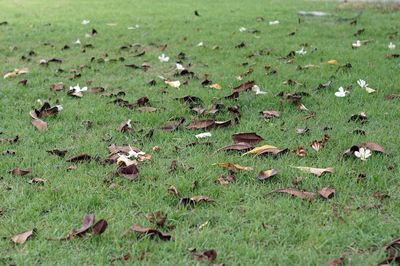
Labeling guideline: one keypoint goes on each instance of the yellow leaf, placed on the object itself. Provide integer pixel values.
(216, 86)
(260, 149)
(332, 62)
(232, 166)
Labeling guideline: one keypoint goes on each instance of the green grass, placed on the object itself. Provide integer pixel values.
(300, 232)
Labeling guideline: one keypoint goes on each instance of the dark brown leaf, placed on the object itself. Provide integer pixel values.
(195, 199)
(246, 137)
(201, 124)
(244, 87)
(130, 172)
(209, 255)
(57, 86)
(57, 152)
(173, 124)
(152, 233)
(79, 158)
(99, 227)
(87, 223)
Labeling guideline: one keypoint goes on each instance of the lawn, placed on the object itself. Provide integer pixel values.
(243, 220)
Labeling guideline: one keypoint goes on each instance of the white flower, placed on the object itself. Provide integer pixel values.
(77, 88)
(341, 92)
(363, 153)
(179, 67)
(133, 27)
(257, 90)
(132, 153)
(242, 29)
(85, 22)
(163, 58)
(301, 51)
(87, 35)
(200, 44)
(203, 135)
(78, 41)
(59, 107)
(274, 22)
(174, 84)
(128, 123)
(39, 101)
(364, 85)
(356, 44)
(391, 46)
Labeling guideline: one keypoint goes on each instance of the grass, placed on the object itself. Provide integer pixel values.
(299, 232)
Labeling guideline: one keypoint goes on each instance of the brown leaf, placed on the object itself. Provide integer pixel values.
(10, 140)
(295, 192)
(246, 137)
(57, 152)
(121, 149)
(39, 124)
(244, 87)
(302, 131)
(125, 126)
(173, 124)
(157, 218)
(8, 152)
(270, 114)
(335, 262)
(300, 151)
(57, 86)
(316, 171)
(152, 233)
(226, 180)
(209, 255)
(173, 191)
(88, 221)
(172, 167)
(392, 96)
(326, 192)
(272, 151)
(37, 180)
(195, 199)
(79, 158)
(240, 146)
(264, 175)
(20, 172)
(147, 109)
(130, 172)
(22, 237)
(201, 124)
(99, 227)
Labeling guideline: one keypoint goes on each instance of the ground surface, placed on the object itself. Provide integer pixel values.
(244, 225)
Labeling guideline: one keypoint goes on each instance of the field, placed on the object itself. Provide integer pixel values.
(299, 63)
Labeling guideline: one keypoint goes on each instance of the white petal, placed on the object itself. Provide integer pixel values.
(203, 135)
(369, 90)
(357, 154)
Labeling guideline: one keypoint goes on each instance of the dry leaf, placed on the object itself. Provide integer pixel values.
(130, 172)
(326, 192)
(20, 172)
(295, 192)
(264, 175)
(39, 124)
(152, 233)
(16, 72)
(232, 166)
(257, 150)
(22, 237)
(246, 137)
(208, 255)
(240, 146)
(315, 171)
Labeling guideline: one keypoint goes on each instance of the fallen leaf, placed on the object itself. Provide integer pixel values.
(39, 124)
(173, 124)
(215, 86)
(130, 172)
(20, 171)
(246, 137)
(37, 180)
(316, 171)
(326, 192)
(295, 192)
(99, 227)
(372, 146)
(201, 124)
(244, 87)
(152, 233)
(57, 152)
(268, 114)
(195, 199)
(79, 158)
(16, 72)
(209, 255)
(226, 180)
(232, 166)
(147, 109)
(264, 175)
(157, 218)
(22, 237)
(240, 146)
(173, 191)
(257, 150)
